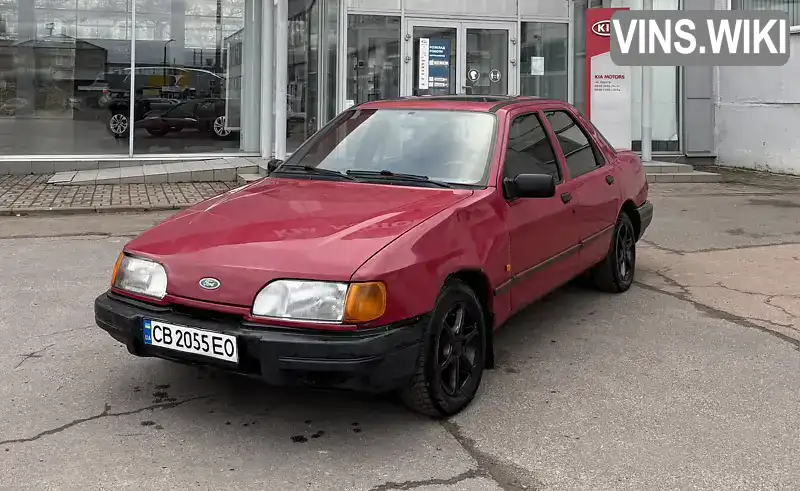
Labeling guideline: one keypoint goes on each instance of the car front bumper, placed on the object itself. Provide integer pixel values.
(645, 213)
(374, 360)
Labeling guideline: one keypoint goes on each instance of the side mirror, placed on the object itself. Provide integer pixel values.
(530, 186)
(273, 164)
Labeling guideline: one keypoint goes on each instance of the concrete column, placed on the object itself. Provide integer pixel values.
(251, 76)
(267, 78)
(647, 104)
(281, 74)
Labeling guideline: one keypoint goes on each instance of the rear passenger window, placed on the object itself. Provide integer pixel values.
(529, 150)
(582, 157)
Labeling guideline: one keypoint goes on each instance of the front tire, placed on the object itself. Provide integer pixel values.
(615, 274)
(118, 125)
(450, 365)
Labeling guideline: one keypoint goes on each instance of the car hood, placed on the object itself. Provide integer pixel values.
(284, 228)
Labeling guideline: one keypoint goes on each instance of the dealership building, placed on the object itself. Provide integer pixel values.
(178, 90)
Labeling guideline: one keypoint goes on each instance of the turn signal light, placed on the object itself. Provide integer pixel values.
(116, 269)
(365, 302)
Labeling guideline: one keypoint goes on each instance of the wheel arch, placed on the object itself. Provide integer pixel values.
(629, 208)
(479, 282)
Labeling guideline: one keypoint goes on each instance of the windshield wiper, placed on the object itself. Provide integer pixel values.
(394, 176)
(290, 168)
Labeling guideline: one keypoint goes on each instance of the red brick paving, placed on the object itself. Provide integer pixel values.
(21, 193)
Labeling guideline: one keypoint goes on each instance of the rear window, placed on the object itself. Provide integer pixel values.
(448, 146)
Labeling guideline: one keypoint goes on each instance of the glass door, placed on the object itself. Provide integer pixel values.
(489, 59)
(449, 58)
(433, 58)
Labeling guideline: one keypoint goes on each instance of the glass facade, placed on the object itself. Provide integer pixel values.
(145, 78)
(85, 77)
(373, 58)
(544, 60)
(666, 81)
(312, 68)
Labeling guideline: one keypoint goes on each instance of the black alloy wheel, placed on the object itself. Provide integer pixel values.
(626, 251)
(452, 360)
(616, 272)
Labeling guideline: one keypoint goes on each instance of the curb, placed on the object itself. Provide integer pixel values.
(84, 210)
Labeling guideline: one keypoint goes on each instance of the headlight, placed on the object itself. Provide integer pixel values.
(138, 275)
(321, 301)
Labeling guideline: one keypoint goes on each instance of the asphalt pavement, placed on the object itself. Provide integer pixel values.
(688, 381)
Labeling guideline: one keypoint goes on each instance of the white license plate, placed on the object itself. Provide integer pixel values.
(191, 340)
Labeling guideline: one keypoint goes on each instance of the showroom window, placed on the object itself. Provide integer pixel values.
(666, 81)
(312, 68)
(544, 55)
(373, 58)
(66, 78)
(791, 7)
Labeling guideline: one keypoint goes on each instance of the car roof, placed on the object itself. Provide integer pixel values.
(479, 103)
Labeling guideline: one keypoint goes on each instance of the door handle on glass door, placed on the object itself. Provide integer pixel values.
(610, 179)
(566, 198)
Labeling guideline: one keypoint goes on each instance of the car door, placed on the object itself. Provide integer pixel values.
(542, 231)
(593, 182)
(181, 116)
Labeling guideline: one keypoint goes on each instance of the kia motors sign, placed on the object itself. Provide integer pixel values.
(602, 28)
(608, 86)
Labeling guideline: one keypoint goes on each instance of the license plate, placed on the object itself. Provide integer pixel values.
(191, 340)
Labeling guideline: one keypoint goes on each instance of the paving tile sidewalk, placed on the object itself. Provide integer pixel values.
(31, 193)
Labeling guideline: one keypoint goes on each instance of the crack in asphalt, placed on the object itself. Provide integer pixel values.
(106, 413)
(718, 249)
(715, 313)
(685, 291)
(65, 331)
(662, 248)
(406, 485)
(769, 300)
(506, 475)
(33, 354)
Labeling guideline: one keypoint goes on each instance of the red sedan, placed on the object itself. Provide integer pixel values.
(384, 252)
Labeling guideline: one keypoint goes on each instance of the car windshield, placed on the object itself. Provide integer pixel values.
(446, 146)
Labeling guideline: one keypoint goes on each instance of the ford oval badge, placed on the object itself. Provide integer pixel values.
(209, 283)
(602, 28)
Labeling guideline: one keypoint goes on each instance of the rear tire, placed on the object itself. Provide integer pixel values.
(451, 362)
(615, 273)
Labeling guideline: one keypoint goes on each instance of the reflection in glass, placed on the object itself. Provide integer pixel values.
(442, 77)
(487, 55)
(331, 37)
(303, 76)
(448, 146)
(543, 60)
(188, 78)
(373, 58)
(56, 59)
(666, 93)
(666, 81)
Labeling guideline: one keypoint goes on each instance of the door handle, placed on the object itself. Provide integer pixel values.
(610, 179)
(566, 198)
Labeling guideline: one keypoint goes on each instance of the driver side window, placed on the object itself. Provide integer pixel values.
(529, 149)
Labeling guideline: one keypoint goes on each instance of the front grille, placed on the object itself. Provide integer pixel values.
(206, 315)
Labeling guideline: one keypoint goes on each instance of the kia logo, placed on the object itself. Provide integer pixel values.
(602, 28)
